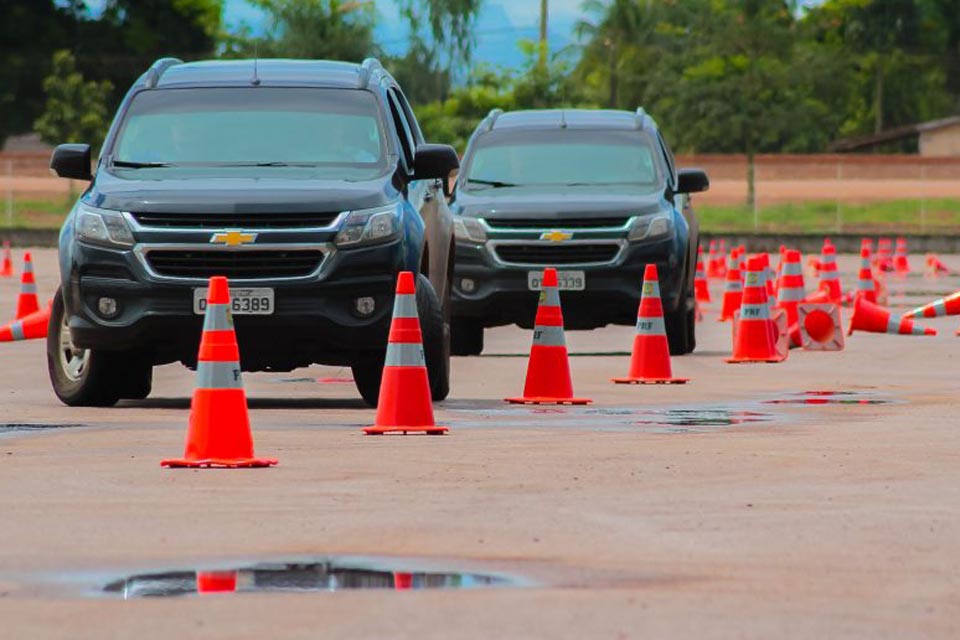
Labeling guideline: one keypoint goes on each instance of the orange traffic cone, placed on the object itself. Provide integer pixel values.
(219, 432)
(27, 302)
(884, 253)
(820, 326)
(947, 306)
(756, 334)
(722, 258)
(700, 287)
(935, 267)
(29, 327)
(866, 285)
(901, 263)
(732, 290)
(548, 370)
(650, 363)
(405, 403)
(402, 581)
(791, 292)
(712, 270)
(216, 581)
(829, 279)
(875, 319)
(6, 271)
(769, 280)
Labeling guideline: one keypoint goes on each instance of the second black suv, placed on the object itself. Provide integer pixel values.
(593, 193)
(307, 183)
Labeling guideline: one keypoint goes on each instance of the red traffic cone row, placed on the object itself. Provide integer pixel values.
(650, 363)
(29, 327)
(901, 263)
(873, 318)
(27, 302)
(732, 289)
(216, 581)
(829, 278)
(755, 338)
(712, 270)
(405, 403)
(700, 286)
(219, 432)
(722, 258)
(548, 370)
(866, 285)
(947, 306)
(791, 293)
(6, 271)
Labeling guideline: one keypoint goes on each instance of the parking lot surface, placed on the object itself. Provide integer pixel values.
(754, 502)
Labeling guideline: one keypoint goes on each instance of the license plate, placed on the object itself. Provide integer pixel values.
(567, 280)
(243, 302)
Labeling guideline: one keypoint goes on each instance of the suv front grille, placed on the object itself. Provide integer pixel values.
(540, 223)
(555, 254)
(249, 265)
(235, 220)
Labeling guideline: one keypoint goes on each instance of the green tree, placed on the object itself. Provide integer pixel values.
(314, 29)
(76, 109)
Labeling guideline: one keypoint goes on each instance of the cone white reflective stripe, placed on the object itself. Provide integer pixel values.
(405, 354)
(550, 297)
(217, 318)
(792, 269)
(939, 307)
(405, 306)
(547, 336)
(28, 287)
(790, 294)
(212, 374)
(16, 330)
(650, 289)
(733, 286)
(865, 285)
(754, 312)
(28, 266)
(893, 326)
(651, 327)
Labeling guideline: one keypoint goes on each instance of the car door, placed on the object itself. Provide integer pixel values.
(429, 199)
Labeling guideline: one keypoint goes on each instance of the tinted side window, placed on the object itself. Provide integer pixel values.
(668, 158)
(408, 114)
(407, 143)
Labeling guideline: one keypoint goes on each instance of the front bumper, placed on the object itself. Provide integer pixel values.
(501, 294)
(314, 320)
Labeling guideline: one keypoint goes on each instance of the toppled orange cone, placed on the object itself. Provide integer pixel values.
(935, 266)
(946, 306)
(6, 271)
(819, 325)
(875, 319)
(30, 327)
(219, 432)
(27, 301)
(548, 370)
(756, 335)
(650, 362)
(405, 403)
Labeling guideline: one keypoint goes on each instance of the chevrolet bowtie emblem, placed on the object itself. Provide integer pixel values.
(233, 238)
(556, 235)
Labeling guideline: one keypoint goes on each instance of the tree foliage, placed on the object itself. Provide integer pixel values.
(76, 109)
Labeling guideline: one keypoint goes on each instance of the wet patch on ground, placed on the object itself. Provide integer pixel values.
(685, 420)
(15, 427)
(814, 398)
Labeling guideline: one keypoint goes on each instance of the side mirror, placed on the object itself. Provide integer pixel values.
(435, 162)
(692, 181)
(72, 161)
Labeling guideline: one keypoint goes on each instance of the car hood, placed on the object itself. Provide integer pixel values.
(265, 192)
(516, 202)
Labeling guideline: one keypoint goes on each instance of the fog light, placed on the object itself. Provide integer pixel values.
(107, 307)
(467, 285)
(365, 306)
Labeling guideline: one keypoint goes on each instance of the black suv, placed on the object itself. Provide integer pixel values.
(306, 183)
(593, 193)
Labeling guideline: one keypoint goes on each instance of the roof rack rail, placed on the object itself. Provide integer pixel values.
(157, 70)
(492, 117)
(367, 67)
(640, 116)
(563, 119)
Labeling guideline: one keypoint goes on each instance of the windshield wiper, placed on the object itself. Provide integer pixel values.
(128, 164)
(496, 184)
(265, 163)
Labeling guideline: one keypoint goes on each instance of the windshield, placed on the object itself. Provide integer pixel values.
(252, 126)
(559, 157)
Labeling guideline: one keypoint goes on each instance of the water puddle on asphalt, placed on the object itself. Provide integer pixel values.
(14, 427)
(813, 398)
(685, 420)
(297, 577)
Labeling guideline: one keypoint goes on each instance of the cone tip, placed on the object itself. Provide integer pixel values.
(405, 283)
(27, 257)
(650, 273)
(219, 291)
(927, 331)
(550, 277)
(793, 255)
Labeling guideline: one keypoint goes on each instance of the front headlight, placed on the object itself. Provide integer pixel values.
(469, 230)
(367, 226)
(650, 228)
(102, 226)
